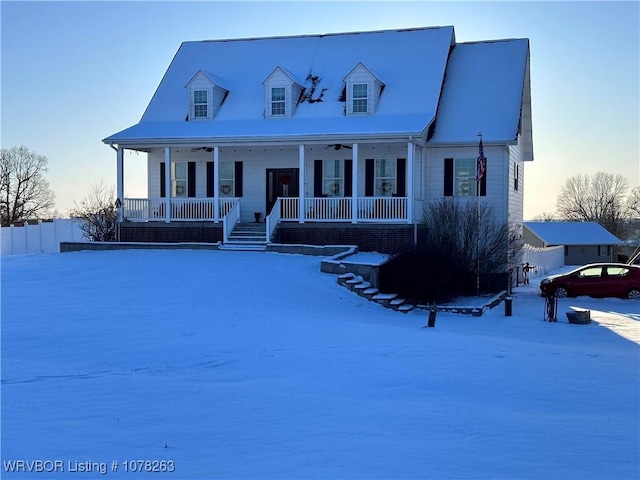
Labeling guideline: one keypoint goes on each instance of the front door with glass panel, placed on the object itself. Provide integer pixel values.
(281, 182)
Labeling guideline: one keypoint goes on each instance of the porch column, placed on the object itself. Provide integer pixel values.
(216, 184)
(167, 183)
(301, 184)
(120, 182)
(409, 180)
(354, 184)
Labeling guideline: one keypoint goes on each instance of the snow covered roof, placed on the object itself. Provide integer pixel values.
(483, 92)
(412, 63)
(572, 233)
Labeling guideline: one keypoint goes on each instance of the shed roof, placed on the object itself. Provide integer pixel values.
(572, 233)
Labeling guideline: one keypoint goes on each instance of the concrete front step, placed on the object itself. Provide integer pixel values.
(247, 238)
(245, 247)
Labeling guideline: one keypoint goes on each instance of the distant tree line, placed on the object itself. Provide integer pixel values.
(604, 198)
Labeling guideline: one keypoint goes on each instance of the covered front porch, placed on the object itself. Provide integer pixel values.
(274, 184)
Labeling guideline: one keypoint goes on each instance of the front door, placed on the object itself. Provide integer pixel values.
(281, 182)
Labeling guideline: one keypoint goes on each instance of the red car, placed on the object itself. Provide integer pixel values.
(596, 280)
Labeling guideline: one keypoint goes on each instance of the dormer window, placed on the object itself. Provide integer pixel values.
(360, 98)
(281, 94)
(278, 101)
(363, 90)
(205, 96)
(200, 104)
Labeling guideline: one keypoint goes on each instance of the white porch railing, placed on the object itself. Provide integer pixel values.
(332, 209)
(229, 221)
(272, 220)
(182, 209)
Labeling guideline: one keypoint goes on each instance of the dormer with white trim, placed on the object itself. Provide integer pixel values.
(281, 94)
(205, 96)
(363, 89)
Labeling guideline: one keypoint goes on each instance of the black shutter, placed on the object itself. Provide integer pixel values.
(163, 180)
(210, 180)
(238, 179)
(448, 177)
(369, 172)
(191, 179)
(348, 178)
(401, 177)
(317, 178)
(483, 182)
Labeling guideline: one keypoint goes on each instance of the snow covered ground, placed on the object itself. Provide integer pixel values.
(243, 365)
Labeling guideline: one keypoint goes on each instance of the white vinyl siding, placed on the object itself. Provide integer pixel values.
(363, 90)
(205, 98)
(498, 183)
(281, 95)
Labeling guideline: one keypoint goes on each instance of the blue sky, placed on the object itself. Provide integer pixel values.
(75, 72)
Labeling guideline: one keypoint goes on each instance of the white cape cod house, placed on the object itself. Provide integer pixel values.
(328, 139)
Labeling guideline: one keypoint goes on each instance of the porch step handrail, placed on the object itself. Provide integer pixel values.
(230, 220)
(272, 220)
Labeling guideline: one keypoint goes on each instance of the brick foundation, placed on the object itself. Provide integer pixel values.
(387, 238)
(157, 232)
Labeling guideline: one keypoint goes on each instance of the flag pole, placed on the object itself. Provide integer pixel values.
(479, 173)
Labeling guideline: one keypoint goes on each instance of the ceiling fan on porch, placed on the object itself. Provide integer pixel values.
(339, 146)
(206, 149)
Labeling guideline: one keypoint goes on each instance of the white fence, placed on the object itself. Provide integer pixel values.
(44, 237)
(543, 260)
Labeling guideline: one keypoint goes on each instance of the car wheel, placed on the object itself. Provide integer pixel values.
(633, 294)
(561, 292)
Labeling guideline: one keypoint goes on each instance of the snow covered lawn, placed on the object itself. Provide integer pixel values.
(242, 365)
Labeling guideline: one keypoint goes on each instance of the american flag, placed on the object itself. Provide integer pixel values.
(482, 163)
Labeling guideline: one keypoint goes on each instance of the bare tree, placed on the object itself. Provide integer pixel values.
(633, 202)
(97, 214)
(545, 217)
(24, 190)
(463, 243)
(598, 198)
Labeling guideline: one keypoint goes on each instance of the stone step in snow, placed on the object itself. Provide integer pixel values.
(342, 279)
(361, 287)
(384, 298)
(405, 308)
(351, 284)
(370, 292)
(396, 303)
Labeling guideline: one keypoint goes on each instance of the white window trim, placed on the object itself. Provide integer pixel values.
(385, 185)
(284, 101)
(226, 185)
(366, 98)
(333, 186)
(193, 103)
(459, 178)
(175, 185)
